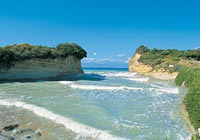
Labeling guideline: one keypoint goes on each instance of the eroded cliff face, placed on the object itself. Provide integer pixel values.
(136, 66)
(42, 68)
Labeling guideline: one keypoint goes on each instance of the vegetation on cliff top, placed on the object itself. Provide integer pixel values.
(167, 59)
(187, 64)
(20, 52)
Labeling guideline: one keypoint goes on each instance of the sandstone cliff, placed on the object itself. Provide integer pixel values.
(136, 66)
(41, 68)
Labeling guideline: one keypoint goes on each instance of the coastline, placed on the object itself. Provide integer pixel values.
(179, 66)
(172, 76)
(184, 114)
(30, 125)
(162, 75)
(177, 130)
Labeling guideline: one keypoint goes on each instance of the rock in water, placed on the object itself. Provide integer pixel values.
(38, 132)
(4, 136)
(10, 127)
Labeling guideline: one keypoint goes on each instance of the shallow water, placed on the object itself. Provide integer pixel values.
(104, 104)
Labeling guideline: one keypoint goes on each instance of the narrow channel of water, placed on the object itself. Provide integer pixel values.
(102, 104)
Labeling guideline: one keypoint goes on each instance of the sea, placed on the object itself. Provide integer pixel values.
(101, 104)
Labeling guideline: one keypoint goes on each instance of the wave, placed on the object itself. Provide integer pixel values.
(169, 90)
(78, 128)
(125, 75)
(138, 79)
(66, 82)
(117, 74)
(96, 87)
(111, 88)
(118, 88)
(166, 89)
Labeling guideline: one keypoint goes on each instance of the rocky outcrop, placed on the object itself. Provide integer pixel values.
(10, 127)
(41, 68)
(14, 132)
(136, 66)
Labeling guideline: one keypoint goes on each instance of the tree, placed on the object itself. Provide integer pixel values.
(142, 49)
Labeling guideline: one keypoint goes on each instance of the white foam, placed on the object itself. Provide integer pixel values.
(109, 88)
(158, 86)
(119, 88)
(138, 79)
(78, 128)
(124, 75)
(66, 82)
(162, 91)
(169, 90)
(117, 74)
(98, 87)
(165, 89)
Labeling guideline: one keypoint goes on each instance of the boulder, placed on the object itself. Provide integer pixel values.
(10, 127)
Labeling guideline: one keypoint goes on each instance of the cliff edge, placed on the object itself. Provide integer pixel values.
(145, 69)
(41, 69)
(136, 66)
(25, 61)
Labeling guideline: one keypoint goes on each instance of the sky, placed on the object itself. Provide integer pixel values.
(109, 30)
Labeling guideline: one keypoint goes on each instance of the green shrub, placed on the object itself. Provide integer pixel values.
(191, 78)
(196, 137)
(188, 76)
(175, 59)
(176, 68)
(20, 52)
(142, 49)
(155, 56)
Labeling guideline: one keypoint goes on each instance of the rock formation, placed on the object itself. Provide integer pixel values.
(41, 68)
(136, 66)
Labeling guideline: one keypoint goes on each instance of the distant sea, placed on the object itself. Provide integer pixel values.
(104, 103)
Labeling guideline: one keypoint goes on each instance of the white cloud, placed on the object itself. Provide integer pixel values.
(88, 60)
(197, 48)
(106, 60)
(94, 53)
(127, 60)
(120, 55)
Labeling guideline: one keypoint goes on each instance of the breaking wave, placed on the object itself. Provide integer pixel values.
(118, 88)
(96, 87)
(117, 74)
(138, 79)
(78, 128)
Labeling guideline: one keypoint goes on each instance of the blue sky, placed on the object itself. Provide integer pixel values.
(110, 30)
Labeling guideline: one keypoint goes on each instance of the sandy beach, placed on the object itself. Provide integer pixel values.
(162, 75)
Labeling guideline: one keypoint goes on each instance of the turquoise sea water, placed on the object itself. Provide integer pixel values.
(104, 104)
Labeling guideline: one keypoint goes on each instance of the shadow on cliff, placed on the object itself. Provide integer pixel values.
(74, 77)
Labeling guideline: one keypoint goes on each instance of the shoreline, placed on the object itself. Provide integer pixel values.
(162, 75)
(42, 129)
(29, 125)
(183, 112)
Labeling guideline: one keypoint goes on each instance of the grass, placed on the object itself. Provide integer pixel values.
(191, 79)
